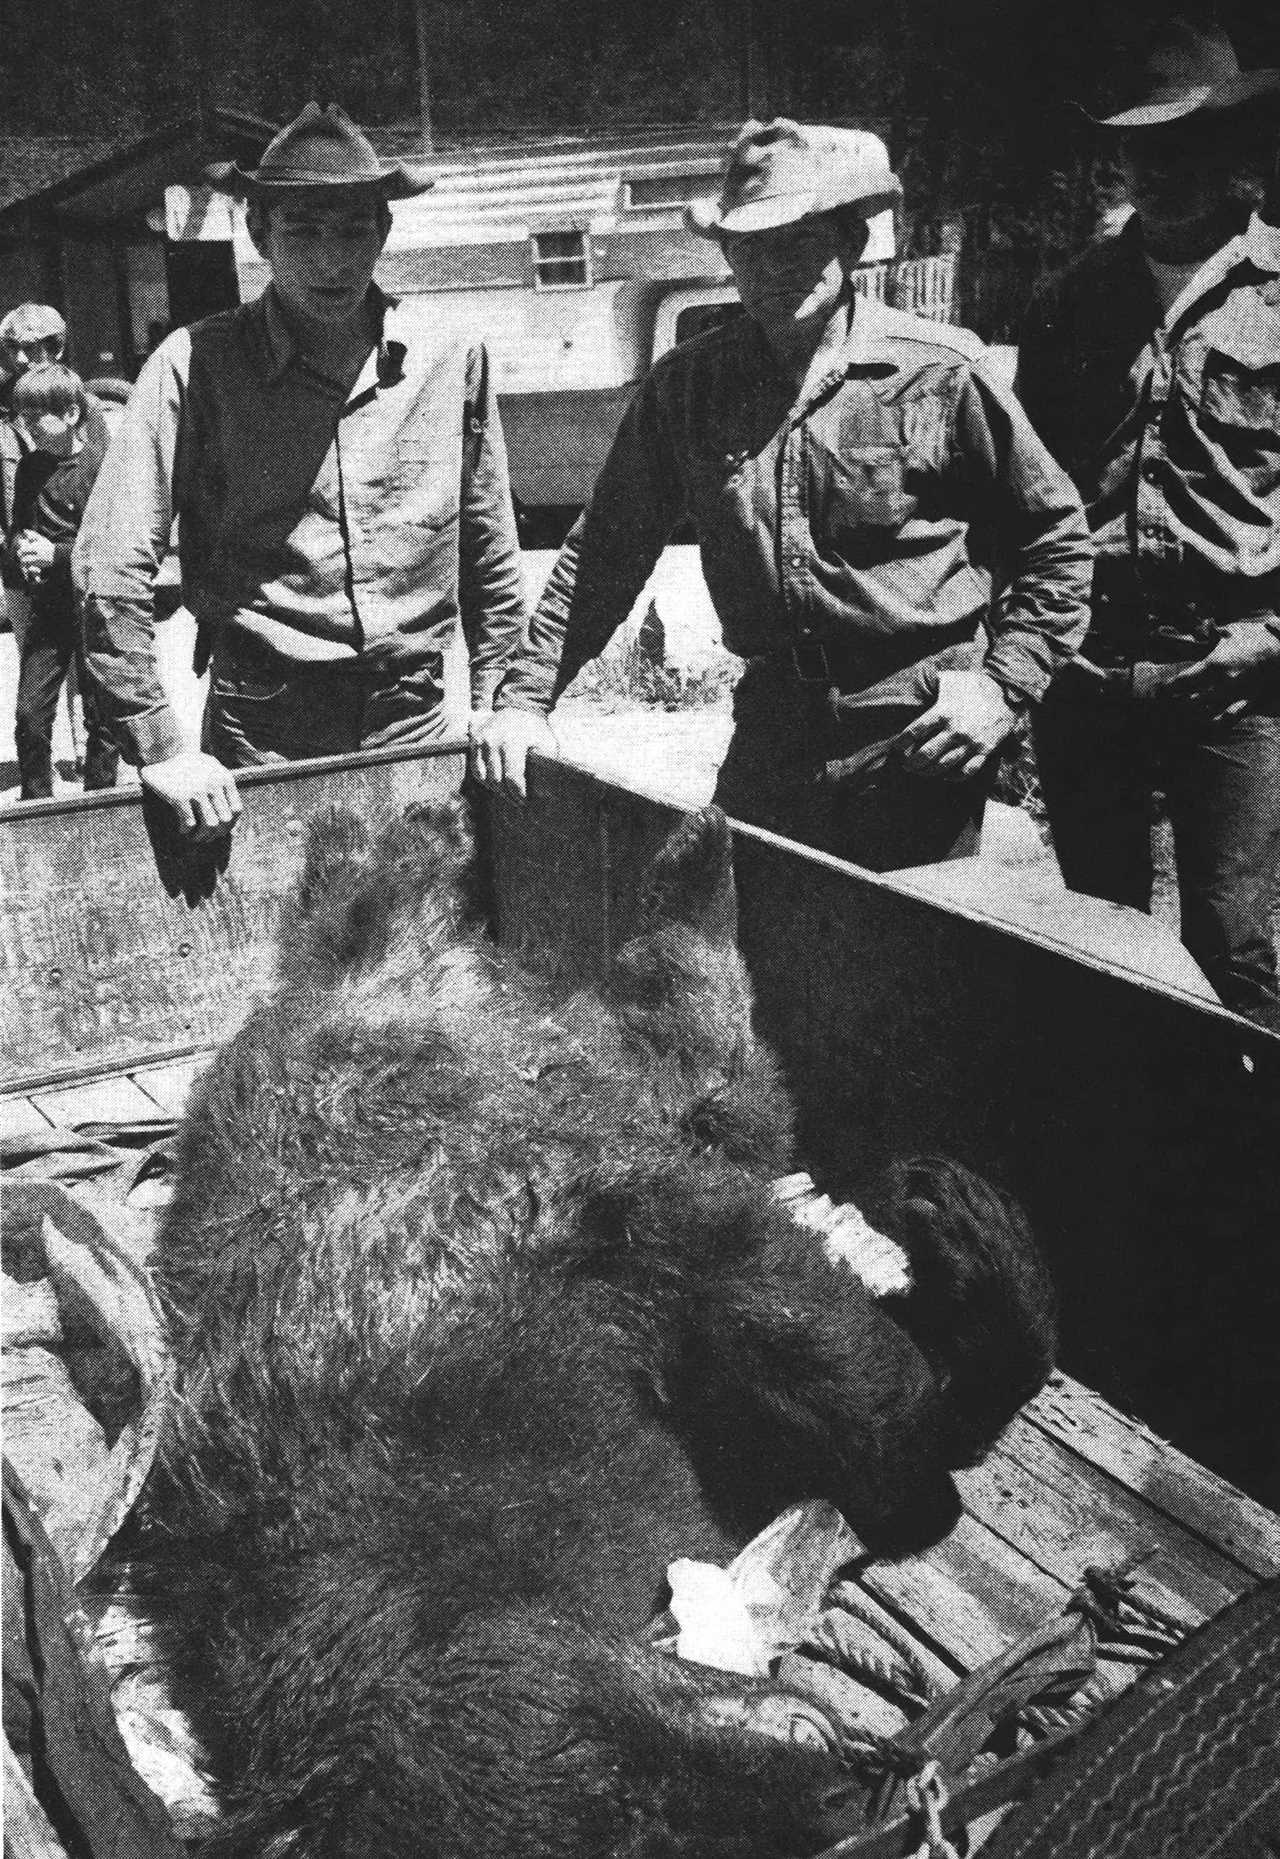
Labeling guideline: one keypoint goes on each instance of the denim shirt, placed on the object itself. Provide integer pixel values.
(863, 517)
(1169, 423)
(320, 529)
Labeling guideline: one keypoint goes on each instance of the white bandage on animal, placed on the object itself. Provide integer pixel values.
(850, 1239)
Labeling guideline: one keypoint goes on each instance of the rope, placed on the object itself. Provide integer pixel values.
(927, 1798)
(1106, 1595)
(921, 1688)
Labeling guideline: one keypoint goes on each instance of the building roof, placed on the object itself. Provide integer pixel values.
(59, 182)
(31, 164)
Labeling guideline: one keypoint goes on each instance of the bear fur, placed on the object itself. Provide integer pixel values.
(484, 1312)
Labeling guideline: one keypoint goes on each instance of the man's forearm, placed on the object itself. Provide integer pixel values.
(119, 653)
(491, 592)
(532, 680)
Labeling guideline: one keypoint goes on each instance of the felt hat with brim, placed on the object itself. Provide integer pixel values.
(781, 172)
(1181, 68)
(33, 322)
(322, 148)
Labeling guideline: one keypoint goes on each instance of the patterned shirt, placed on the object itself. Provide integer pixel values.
(865, 517)
(1168, 422)
(323, 528)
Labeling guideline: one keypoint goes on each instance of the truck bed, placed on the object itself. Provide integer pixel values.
(1118, 1112)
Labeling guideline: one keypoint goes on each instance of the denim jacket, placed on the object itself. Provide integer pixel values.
(318, 529)
(1169, 424)
(870, 517)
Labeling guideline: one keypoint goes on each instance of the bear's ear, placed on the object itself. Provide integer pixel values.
(691, 880)
(336, 842)
(336, 847)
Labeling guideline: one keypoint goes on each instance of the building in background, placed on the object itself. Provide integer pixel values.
(569, 256)
(84, 226)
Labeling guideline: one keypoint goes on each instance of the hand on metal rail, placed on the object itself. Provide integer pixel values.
(199, 792)
(500, 745)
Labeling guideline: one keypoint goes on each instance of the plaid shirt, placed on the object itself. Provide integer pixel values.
(1169, 424)
(860, 518)
(320, 528)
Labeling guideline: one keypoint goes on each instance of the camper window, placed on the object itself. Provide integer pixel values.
(662, 190)
(561, 261)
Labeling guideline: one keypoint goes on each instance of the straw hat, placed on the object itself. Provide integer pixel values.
(780, 172)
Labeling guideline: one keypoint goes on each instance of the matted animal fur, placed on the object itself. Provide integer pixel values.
(484, 1313)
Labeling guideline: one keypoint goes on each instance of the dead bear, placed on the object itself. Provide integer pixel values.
(484, 1313)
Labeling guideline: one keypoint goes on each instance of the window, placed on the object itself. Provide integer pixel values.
(561, 261)
(663, 190)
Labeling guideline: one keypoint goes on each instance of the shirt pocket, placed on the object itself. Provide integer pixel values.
(1240, 382)
(427, 484)
(863, 487)
(870, 465)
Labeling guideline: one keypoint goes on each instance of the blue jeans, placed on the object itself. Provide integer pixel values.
(815, 764)
(50, 646)
(265, 708)
(1102, 750)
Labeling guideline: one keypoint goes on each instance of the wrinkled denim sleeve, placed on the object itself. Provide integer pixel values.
(491, 588)
(117, 555)
(606, 559)
(1043, 550)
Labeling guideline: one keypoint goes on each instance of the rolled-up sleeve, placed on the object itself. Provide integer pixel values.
(491, 587)
(606, 559)
(1043, 550)
(121, 543)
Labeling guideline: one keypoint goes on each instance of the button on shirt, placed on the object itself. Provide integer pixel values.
(320, 528)
(1169, 422)
(863, 517)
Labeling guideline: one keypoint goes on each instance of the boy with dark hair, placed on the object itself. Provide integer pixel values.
(66, 439)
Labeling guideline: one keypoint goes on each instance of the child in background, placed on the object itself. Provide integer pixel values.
(66, 439)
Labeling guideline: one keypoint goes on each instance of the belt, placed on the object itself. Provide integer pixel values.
(1157, 632)
(837, 664)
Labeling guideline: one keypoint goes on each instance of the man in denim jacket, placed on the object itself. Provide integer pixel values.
(341, 484)
(887, 543)
(1151, 369)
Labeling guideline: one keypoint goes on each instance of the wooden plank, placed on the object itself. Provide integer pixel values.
(169, 1085)
(1031, 1492)
(101, 964)
(969, 1595)
(1165, 1478)
(104, 1100)
(19, 1116)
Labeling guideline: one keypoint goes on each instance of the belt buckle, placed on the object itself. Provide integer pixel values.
(810, 660)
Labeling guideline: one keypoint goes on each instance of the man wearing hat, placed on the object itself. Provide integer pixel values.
(839, 461)
(1151, 368)
(342, 492)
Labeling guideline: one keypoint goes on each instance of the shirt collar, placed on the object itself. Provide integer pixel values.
(864, 345)
(277, 348)
(867, 344)
(1258, 245)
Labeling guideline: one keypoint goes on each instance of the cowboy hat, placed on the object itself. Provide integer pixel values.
(1181, 68)
(320, 148)
(780, 172)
